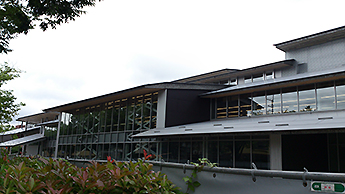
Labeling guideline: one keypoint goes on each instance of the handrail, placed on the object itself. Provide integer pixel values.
(300, 175)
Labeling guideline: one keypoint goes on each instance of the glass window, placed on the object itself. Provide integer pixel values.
(245, 105)
(197, 151)
(123, 111)
(307, 101)
(260, 154)
(119, 151)
(130, 114)
(185, 148)
(325, 96)
(259, 103)
(154, 110)
(340, 88)
(258, 77)
(289, 97)
(221, 108)
(173, 151)
(273, 101)
(225, 153)
(164, 151)
(212, 151)
(146, 111)
(248, 79)
(242, 154)
(115, 117)
(108, 120)
(233, 106)
(269, 75)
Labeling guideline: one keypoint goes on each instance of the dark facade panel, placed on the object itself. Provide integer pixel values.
(185, 106)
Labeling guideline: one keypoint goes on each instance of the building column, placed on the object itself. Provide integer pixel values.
(275, 152)
(161, 108)
(57, 137)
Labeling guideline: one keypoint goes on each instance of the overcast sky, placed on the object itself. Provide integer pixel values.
(122, 44)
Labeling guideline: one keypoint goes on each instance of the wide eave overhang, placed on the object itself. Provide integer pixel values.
(299, 79)
(144, 89)
(311, 40)
(39, 118)
(289, 123)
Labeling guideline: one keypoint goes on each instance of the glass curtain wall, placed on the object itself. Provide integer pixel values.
(102, 130)
(312, 97)
(225, 150)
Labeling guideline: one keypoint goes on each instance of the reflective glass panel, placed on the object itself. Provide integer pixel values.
(273, 102)
(185, 148)
(233, 106)
(325, 96)
(173, 151)
(242, 154)
(340, 88)
(212, 151)
(225, 154)
(196, 151)
(260, 154)
(245, 105)
(289, 97)
(307, 100)
(221, 108)
(259, 103)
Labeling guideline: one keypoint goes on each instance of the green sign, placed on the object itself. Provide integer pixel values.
(328, 187)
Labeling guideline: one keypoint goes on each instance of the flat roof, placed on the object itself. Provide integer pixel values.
(39, 118)
(313, 39)
(16, 131)
(23, 140)
(304, 78)
(224, 74)
(139, 90)
(205, 76)
(256, 124)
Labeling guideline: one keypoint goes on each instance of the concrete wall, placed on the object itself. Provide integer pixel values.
(246, 181)
(319, 57)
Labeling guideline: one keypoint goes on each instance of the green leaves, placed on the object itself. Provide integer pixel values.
(191, 183)
(19, 16)
(27, 175)
(8, 107)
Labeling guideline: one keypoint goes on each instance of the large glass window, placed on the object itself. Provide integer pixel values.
(260, 154)
(289, 98)
(232, 106)
(307, 98)
(185, 151)
(242, 154)
(245, 105)
(259, 103)
(221, 108)
(225, 151)
(340, 89)
(273, 101)
(325, 96)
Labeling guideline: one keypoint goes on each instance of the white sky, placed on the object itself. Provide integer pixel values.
(123, 44)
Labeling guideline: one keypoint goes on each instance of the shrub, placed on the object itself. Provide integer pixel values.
(30, 175)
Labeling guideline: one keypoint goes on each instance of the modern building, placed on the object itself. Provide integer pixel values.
(284, 115)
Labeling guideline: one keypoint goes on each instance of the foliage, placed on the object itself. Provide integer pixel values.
(8, 107)
(19, 16)
(29, 175)
(190, 180)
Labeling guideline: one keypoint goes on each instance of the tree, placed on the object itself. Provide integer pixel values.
(8, 106)
(19, 16)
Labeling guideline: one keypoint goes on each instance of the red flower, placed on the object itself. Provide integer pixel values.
(147, 156)
(109, 159)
